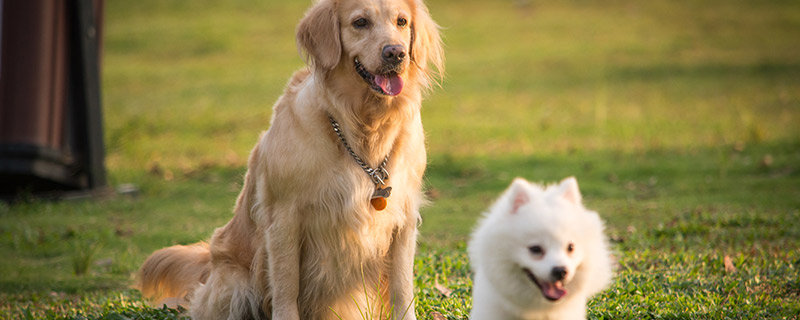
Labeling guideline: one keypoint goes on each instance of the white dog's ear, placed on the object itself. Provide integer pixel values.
(568, 188)
(426, 49)
(318, 36)
(518, 194)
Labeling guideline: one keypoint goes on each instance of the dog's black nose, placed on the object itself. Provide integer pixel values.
(559, 273)
(394, 54)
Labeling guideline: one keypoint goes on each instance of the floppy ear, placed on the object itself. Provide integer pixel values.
(568, 188)
(518, 194)
(318, 35)
(426, 45)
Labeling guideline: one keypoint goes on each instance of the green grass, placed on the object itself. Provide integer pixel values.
(679, 119)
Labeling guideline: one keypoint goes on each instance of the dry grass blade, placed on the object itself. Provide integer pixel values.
(445, 291)
(729, 267)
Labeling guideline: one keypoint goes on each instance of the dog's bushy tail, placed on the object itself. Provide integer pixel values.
(170, 275)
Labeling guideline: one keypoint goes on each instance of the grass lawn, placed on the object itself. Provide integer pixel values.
(680, 120)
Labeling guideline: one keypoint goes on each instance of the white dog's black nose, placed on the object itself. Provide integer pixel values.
(394, 54)
(559, 273)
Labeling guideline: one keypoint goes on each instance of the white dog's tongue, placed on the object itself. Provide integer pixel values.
(392, 85)
(554, 290)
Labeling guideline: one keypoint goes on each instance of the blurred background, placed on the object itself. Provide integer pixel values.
(189, 85)
(680, 120)
(190, 82)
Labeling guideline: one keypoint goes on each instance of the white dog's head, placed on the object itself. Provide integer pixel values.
(540, 245)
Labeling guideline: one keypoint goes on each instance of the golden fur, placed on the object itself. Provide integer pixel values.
(303, 235)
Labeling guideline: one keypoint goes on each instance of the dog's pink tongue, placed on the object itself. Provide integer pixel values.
(553, 290)
(392, 85)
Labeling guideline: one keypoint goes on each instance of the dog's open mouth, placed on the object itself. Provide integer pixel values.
(389, 83)
(553, 291)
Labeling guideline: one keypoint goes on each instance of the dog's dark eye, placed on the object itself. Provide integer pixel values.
(570, 247)
(402, 22)
(360, 23)
(536, 249)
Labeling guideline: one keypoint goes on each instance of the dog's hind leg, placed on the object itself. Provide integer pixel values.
(227, 294)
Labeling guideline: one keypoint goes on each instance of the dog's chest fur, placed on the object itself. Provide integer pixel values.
(344, 241)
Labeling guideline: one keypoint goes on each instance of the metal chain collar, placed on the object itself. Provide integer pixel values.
(378, 175)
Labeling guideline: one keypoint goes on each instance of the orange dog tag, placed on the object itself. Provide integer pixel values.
(378, 200)
(378, 203)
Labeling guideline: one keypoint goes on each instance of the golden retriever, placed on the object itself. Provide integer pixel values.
(307, 239)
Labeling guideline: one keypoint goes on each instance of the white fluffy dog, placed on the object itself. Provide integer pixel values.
(538, 254)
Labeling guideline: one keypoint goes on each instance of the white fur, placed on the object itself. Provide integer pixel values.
(528, 215)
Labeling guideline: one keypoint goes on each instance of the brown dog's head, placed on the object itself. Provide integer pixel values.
(385, 43)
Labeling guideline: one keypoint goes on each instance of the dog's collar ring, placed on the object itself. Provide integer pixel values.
(378, 175)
